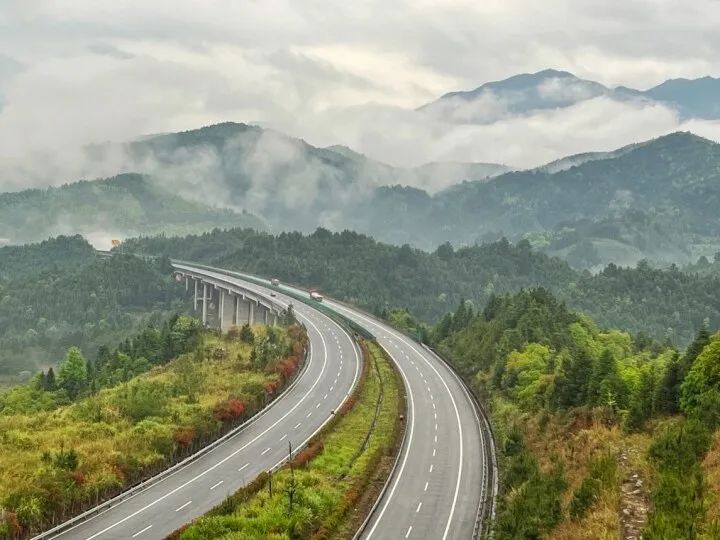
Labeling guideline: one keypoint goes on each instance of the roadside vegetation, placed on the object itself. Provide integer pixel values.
(599, 431)
(76, 436)
(329, 485)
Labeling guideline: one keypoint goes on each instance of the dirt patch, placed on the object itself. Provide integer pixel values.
(634, 499)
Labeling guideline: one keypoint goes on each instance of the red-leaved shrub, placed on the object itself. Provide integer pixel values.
(228, 410)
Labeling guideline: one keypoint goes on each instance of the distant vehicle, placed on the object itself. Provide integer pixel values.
(272, 293)
(274, 282)
(316, 296)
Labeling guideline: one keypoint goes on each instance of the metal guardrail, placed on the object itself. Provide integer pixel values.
(134, 490)
(487, 508)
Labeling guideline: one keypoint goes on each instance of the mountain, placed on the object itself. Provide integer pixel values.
(654, 200)
(291, 184)
(517, 95)
(698, 98)
(526, 93)
(128, 204)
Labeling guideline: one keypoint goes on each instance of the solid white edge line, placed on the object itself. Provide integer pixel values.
(405, 457)
(457, 416)
(233, 454)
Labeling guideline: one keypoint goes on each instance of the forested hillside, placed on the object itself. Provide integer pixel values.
(60, 293)
(116, 207)
(651, 200)
(654, 200)
(665, 304)
(599, 431)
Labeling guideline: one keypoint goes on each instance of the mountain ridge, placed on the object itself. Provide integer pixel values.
(526, 93)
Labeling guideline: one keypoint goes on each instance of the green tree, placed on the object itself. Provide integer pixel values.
(72, 376)
(667, 394)
(49, 382)
(606, 387)
(246, 334)
(700, 392)
(571, 386)
(702, 338)
(641, 401)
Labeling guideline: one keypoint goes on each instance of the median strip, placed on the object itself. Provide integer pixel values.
(332, 483)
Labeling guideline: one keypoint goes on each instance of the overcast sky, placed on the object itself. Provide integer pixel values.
(77, 71)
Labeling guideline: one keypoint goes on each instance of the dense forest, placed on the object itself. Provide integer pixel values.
(59, 293)
(570, 402)
(102, 209)
(663, 304)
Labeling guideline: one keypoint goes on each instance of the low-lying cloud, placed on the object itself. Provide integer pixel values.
(75, 73)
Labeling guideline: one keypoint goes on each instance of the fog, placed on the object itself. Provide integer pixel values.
(75, 72)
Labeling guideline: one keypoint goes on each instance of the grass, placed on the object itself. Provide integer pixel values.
(578, 441)
(122, 434)
(328, 478)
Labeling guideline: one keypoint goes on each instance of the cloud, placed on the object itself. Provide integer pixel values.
(351, 73)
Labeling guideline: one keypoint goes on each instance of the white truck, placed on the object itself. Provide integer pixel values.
(316, 295)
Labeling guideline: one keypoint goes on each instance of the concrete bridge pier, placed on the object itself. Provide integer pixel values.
(244, 310)
(205, 304)
(227, 310)
(195, 296)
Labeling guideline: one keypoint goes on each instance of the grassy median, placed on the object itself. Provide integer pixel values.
(332, 482)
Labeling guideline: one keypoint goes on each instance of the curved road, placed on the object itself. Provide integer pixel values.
(332, 370)
(435, 490)
(441, 477)
(438, 485)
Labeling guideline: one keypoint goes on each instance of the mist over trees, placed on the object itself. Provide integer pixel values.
(60, 293)
(667, 305)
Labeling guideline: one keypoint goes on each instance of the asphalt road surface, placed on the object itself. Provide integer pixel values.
(332, 370)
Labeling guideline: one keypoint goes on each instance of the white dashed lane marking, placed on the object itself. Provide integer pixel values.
(148, 528)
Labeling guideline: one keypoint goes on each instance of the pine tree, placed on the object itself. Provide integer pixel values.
(49, 382)
(443, 328)
(461, 318)
(667, 394)
(571, 386)
(641, 403)
(603, 371)
(702, 338)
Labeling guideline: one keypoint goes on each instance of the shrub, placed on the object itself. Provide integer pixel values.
(184, 437)
(228, 410)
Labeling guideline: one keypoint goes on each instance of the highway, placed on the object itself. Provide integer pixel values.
(332, 370)
(443, 474)
(438, 486)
